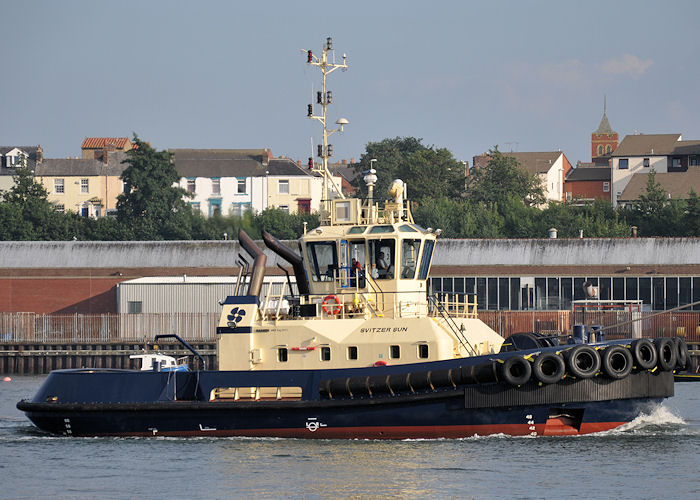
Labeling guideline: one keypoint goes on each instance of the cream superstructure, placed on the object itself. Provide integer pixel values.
(362, 286)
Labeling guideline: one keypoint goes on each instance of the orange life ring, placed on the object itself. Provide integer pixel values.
(380, 362)
(334, 309)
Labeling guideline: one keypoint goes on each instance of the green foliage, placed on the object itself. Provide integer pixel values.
(503, 178)
(150, 203)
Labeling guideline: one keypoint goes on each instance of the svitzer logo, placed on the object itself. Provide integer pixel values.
(235, 317)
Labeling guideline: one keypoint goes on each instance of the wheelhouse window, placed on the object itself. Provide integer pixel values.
(410, 249)
(382, 258)
(323, 260)
(425, 260)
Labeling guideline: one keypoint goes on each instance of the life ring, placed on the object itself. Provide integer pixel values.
(380, 362)
(334, 309)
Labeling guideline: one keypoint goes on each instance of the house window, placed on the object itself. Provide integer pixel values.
(59, 186)
(646, 162)
(606, 187)
(395, 352)
(214, 207)
(284, 208)
(423, 351)
(195, 206)
(84, 185)
(600, 150)
(693, 161)
(676, 162)
(623, 164)
(282, 355)
(283, 186)
(608, 149)
(216, 186)
(352, 352)
(134, 307)
(238, 209)
(241, 186)
(190, 185)
(60, 208)
(325, 353)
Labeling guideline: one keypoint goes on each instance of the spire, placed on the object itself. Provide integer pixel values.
(604, 127)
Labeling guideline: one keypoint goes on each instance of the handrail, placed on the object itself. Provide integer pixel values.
(452, 324)
(184, 343)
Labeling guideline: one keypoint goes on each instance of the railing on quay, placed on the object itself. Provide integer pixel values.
(61, 328)
(198, 327)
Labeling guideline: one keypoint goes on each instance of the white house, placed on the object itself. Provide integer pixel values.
(640, 153)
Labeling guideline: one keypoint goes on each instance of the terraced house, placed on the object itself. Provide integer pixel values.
(232, 181)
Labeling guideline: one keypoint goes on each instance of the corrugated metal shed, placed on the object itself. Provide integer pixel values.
(184, 294)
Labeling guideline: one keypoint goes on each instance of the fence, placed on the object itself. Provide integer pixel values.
(48, 328)
(52, 328)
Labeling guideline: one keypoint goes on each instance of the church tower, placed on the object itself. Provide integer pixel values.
(603, 141)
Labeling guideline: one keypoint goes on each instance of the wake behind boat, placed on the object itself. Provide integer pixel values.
(362, 350)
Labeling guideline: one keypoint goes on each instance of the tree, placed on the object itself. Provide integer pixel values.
(501, 178)
(390, 154)
(691, 221)
(151, 204)
(430, 173)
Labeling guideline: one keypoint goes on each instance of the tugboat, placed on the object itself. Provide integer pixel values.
(361, 349)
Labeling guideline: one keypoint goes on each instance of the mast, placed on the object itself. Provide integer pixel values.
(324, 97)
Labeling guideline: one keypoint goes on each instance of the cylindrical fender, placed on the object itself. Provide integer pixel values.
(549, 368)
(682, 353)
(644, 354)
(516, 370)
(616, 361)
(666, 351)
(582, 361)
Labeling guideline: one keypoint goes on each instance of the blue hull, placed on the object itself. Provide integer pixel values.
(129, 403)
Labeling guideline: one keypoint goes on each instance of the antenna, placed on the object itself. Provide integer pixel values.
(324, 98)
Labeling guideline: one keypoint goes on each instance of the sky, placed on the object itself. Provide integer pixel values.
(462, 75)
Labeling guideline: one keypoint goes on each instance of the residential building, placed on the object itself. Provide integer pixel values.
(551, 167)
(586, 183)
(676, 185)
(88, 187)
(11, 157)
(96, 147)
(232, 181)
(640, 153)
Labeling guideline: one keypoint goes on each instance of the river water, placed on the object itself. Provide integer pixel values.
(657, 456)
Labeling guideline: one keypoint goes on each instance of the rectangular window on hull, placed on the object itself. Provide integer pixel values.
(325, 353)
(395, 352)
(282, 355)
(423, 351)
(352, 352)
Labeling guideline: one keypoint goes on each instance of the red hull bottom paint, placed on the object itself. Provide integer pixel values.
(405, 432)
